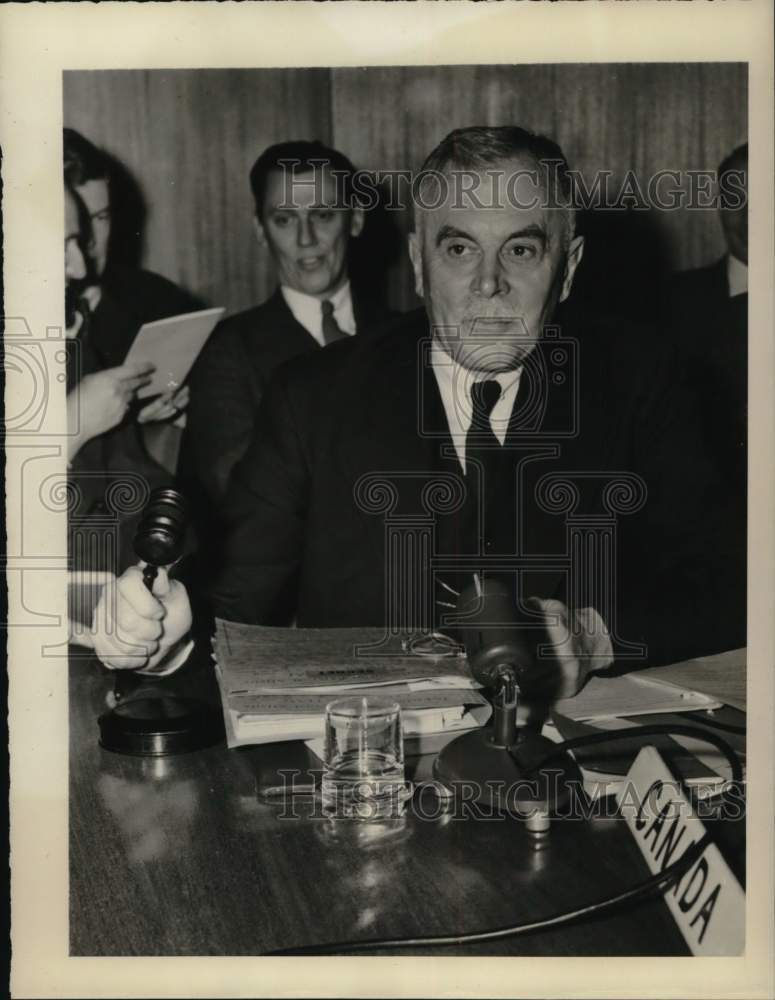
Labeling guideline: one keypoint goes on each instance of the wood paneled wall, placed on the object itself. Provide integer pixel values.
(189, 137)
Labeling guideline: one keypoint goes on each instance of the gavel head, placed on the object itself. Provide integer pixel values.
(161, 533)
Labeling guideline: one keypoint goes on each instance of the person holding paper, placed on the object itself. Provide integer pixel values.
(117, 297)
(104, 450)
(98, 401)
(519, 444)
(306, 217)
(122, 297)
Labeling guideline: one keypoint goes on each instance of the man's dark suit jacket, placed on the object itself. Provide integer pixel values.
(309, 533)
(129, 299)
(710, 332)
(231, 376)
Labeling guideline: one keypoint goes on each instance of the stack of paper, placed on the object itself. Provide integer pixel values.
(276, 682)
(610, 703)
(632, 694)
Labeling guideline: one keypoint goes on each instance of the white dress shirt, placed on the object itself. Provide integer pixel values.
(308, 311)
(455, 383)
(737, 276)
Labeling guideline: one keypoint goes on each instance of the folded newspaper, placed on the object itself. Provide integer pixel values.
(275, 683)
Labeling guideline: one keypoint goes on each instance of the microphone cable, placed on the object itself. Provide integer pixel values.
(659, 881)
(655, 729)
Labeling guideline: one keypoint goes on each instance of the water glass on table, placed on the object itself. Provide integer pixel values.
(363, 765)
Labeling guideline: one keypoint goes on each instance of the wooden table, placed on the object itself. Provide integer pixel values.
(178, 856)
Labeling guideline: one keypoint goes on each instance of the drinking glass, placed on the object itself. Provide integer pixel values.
(363, 765)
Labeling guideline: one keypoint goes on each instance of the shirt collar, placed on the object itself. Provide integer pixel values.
(455, 383)
(307, 309)
(308, 303)
(737, 276)
(454, 379)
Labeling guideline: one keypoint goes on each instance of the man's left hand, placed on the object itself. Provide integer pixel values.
(580, 644)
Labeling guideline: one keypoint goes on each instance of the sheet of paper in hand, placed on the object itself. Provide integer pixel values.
(172, 345)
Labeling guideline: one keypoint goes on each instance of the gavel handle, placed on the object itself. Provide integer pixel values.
(125, 681)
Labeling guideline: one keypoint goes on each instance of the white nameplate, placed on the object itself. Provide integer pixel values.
(707, 903)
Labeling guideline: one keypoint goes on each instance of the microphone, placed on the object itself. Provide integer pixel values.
(499, 640)
(501, 762)
(161, 532)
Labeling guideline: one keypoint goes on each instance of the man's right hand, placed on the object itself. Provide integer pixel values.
(100, 400)
(134, 629)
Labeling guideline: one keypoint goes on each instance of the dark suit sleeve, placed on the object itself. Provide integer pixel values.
(144, 297)
(159, 297)
(221, 413)
(265, 509)
(677, 591)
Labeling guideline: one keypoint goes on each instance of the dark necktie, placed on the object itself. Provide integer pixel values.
(483, 450)
(460, 532)
(481, 442)
(331, 329)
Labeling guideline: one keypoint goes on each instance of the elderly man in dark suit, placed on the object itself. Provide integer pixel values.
(306, 217)
(521, 446)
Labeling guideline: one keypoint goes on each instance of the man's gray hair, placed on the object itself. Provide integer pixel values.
(475, 148)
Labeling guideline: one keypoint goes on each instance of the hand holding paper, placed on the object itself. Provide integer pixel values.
(166, 407)
(171, 345)
(100, 400)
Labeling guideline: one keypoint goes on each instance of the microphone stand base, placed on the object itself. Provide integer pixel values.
(506, 778)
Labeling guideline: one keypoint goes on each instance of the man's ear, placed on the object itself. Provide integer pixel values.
(572, 261)
(357, 219)
(415, 255)
(259, 231)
